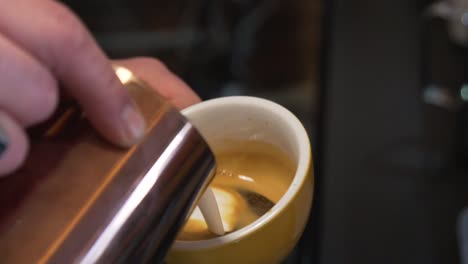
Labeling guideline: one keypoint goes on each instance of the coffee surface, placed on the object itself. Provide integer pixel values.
(251, 176)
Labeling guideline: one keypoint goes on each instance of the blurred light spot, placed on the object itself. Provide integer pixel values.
(246, 178)
(464, 19)
(123, 74)
(233, 89)
(464, 92)
(438, 96)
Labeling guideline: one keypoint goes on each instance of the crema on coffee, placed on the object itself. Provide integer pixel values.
(250, 175)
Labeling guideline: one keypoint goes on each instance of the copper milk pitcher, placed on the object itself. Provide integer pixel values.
(79, 199)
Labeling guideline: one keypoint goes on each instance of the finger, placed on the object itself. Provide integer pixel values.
(57, 38)
(163, 80)
(13, 144)
(28, 90)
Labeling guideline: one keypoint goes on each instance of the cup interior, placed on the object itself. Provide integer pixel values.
(249, 118)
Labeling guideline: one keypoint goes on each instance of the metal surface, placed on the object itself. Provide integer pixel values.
(80, 199)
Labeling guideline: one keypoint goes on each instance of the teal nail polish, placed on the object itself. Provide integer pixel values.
(3, 141)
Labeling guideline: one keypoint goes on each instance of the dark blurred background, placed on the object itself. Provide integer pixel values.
(380, 85)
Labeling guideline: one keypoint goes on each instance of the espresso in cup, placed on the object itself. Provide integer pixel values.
(251, 178)
(250, 125)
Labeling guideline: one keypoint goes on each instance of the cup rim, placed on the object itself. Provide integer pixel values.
(303, 166)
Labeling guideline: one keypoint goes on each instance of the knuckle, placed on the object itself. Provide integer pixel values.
(68, 33)
(49, 102)
(45, 99)
(110, 83)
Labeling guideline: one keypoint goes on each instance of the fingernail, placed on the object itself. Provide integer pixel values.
(3, 141)
(134, 124)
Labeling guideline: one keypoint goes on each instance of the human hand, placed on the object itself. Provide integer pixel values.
(43, 44)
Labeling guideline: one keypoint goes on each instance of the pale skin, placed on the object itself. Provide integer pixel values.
(42, 44)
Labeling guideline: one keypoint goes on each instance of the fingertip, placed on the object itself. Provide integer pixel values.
(134, 125)
(13, 144)
(123, 124)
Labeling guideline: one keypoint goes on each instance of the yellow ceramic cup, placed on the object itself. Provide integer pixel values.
(271, 237)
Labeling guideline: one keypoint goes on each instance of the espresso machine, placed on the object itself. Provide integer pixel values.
(445, 90)
(393, 164)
